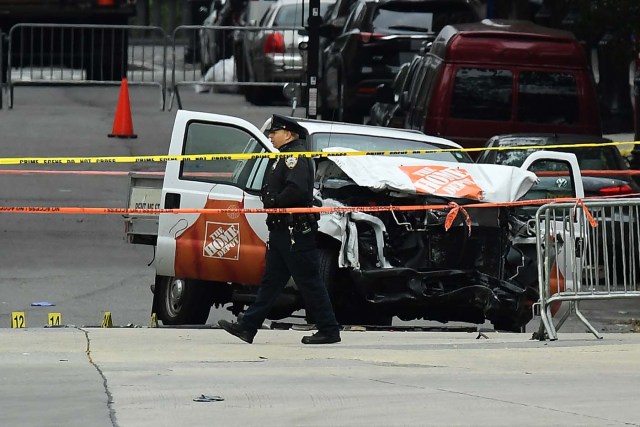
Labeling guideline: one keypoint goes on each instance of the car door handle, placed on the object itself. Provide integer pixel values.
(172, 201)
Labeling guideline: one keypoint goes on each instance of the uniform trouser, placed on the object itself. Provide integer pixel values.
(300, 261)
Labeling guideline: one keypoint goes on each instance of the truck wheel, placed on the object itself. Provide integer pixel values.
(180, 301)
(350, 308)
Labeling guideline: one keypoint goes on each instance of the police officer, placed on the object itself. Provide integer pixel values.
(291, 247)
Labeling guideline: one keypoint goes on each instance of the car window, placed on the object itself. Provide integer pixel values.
(354, 17)
(290, 15)
(423, 17)
(320, 141)
(589, 158)
(545, 97)
(266, 17)
(208, 138)
(482, 94)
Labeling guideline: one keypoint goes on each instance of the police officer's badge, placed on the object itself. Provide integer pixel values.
(291, 162)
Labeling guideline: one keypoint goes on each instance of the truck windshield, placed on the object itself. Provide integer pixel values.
(320, 141)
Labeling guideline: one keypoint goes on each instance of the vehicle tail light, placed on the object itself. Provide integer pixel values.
(366, 37)
(106, 2)
(617, 190)
(366, 90)
(274, 43)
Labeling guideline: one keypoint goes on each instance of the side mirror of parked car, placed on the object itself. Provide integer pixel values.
(385, 94)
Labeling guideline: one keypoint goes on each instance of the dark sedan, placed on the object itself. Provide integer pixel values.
(605, 172)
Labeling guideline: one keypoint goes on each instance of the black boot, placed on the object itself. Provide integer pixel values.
(237, 330)
(321, 338)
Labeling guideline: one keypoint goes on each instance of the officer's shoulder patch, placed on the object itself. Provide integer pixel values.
(291, 162)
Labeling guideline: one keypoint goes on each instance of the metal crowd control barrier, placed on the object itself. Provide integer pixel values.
(67, 54)
(262, 60)
(3, 71)
(583, 256)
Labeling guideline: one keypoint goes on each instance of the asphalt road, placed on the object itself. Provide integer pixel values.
(81, 263)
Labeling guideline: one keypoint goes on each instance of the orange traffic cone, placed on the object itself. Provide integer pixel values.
(122, 124)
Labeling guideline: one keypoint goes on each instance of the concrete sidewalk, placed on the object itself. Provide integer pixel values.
(150, 377)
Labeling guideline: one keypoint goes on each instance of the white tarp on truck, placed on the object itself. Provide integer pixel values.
(482, 182)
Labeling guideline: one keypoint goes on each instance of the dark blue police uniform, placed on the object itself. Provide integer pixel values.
(291, 250)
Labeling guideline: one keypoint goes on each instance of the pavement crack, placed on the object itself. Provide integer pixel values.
(112, 412)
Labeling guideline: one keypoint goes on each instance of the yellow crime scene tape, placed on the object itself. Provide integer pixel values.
(250, 156)
(18, 319)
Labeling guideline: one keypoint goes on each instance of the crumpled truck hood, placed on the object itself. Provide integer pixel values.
(482, 182)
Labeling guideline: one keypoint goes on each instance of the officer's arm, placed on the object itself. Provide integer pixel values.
(295, 191)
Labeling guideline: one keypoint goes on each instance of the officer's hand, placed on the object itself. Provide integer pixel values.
(269, 201)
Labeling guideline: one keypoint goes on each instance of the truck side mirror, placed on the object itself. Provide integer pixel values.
(385, 94)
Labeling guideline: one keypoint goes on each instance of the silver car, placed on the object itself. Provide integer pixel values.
(268, 54)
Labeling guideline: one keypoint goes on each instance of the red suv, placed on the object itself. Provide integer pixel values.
(499, 77)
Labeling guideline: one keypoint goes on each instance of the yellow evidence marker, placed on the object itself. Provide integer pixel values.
(107, 322)
(18, 319)
(154, 321)
(54, 319)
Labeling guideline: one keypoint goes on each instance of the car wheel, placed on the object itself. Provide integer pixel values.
(349, 307)
(181, 301)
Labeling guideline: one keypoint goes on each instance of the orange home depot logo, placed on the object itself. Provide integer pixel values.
(221, 240)
(444, 181)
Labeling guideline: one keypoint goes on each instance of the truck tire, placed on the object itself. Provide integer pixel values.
(179, 301)
(350, 308)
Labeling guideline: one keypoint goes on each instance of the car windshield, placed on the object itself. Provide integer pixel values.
(290, 15)
(589, 158)
(320, 141)
(418, 17)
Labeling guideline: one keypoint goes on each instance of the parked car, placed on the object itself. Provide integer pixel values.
(378, 37)
(270, 52)
(498, 77)
(386, 111)
(332, 24)
(598, 163)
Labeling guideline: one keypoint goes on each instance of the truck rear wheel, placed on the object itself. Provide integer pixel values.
(179, 301)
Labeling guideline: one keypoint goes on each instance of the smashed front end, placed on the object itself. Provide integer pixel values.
(405, 263)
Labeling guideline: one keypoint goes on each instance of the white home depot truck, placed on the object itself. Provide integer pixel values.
(415, 261)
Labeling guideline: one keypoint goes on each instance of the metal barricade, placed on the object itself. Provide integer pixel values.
(256, 61)
(67, 54)
(3, 70)
(586, 251)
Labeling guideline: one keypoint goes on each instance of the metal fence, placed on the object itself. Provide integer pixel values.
(2, 67)
(588, 251)
(255, 61)
(66, 54)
